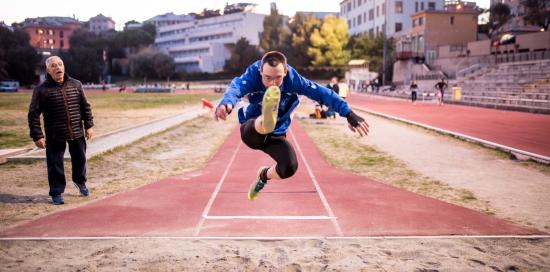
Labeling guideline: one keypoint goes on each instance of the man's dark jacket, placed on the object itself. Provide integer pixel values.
(65, 107)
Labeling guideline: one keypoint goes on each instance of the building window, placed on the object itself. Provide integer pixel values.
(431, 5)
(377, 11)
(452, 20)
(377, 30)
(399, 7)
(50, 32)
(371, 33)
(61, 43)
(359, 19)
(349, 6)
(420, 21)
(51, 41)
(349, 23)
(40, 31)
(354, 20)
(61, 34)
(422, 6)
(415, 6)
(398, 27)
(414, 22)
(359, 3)
(371, 14)
(384, 8)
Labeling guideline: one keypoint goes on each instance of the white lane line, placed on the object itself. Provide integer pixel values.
(236, 238)
(318, 188)
(216, 191)
(283, 217)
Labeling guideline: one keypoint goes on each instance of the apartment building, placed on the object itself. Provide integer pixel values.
(169, 19)
(435, 33)
(101, 23)
(50, 33)
(202, 45)
(371, 16)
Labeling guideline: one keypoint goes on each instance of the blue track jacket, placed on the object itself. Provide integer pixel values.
(250, 84)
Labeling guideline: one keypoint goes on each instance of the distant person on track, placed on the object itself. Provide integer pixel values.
(414, 91)
(440, 87)
(333, 85)
(67, 120)
(272, 88)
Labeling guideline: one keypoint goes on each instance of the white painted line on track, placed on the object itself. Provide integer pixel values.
(283, 217)
(317, 187)
(216, 191)
(277, 237)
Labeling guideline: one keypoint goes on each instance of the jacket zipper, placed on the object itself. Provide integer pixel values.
(69, 125)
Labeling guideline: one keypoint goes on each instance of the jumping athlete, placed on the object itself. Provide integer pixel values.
(272, 88)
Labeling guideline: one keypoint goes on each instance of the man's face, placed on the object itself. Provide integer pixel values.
(273, 76)
(56, 69)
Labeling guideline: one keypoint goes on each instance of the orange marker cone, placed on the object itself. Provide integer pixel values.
(206, 103)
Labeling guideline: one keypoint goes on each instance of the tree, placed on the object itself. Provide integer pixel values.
(328, 45)
(85, 59)
(500, 14)
(150, 28)
(275, 33)
(372, 50)
(301, 27)
(18, 60)
(164, 65)
(207, 13)
(242, 55)
(537, 12)
(151, 64)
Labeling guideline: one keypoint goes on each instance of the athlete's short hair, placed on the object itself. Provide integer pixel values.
(273, 58)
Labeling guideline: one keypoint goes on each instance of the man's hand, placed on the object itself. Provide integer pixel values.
(357, 124)
(89, 134)
(222, 111)
(40, 143)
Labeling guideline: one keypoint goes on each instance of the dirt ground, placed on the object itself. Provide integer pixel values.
(23, 196)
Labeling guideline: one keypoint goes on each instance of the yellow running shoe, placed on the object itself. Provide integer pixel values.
(256, 186)
(270, 108)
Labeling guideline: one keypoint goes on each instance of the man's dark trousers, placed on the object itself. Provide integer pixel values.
(56, 170)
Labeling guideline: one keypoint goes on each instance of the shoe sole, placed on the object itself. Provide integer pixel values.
(270, 108)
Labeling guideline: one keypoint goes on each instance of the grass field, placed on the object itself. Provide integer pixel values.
(111, 111)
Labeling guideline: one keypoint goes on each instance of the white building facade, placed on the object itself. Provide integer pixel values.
(169, 19)
(101, 23)
(371, 16)
(202, 45)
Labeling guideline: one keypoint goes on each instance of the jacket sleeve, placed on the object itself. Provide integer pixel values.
(85, 109)
(319, 93)
(241, 86)
(35, 110)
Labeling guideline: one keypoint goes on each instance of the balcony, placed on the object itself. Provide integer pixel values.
(403, 55)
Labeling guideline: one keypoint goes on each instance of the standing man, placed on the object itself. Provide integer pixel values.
(333, 85)
(272, 87)
(67, 120)
(441, 86)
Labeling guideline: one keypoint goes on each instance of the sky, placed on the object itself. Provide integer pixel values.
(122, 11)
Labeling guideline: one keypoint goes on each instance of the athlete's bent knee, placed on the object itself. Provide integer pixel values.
(287, 170)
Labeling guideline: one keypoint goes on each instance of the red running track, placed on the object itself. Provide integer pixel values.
(319, 201)
(520, 130)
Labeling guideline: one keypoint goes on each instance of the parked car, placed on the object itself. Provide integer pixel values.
(9, 86)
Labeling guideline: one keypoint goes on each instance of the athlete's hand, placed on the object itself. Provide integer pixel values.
(357, 124)
(222, 111)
